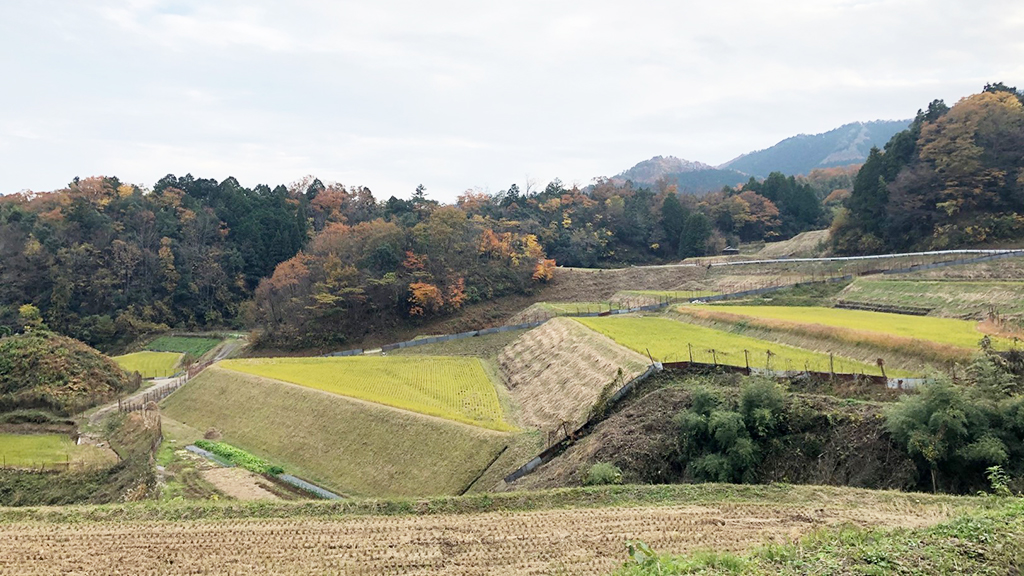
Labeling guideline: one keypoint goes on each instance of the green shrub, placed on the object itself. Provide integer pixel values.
(603, 473)
(719, 442)
(956, 433)
(239, 457)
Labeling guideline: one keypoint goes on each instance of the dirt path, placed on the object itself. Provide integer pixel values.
(159, 384)
(238, 483)
(574, 541)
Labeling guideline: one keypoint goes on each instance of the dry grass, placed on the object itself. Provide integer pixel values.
(238, 483)
(809, 244)
(888, 330)
(865, 353)
(556, 372)
(575, 541)
(583, 285)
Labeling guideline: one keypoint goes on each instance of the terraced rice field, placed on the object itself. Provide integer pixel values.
(960, 333)
(670, 341)
(949, 297)
(41, 449)
(572, 541)
(150, 364)
(193, 345)
(454, 388)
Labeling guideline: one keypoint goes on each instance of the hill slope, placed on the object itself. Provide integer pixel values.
(848, 144)
(690, 177)
(41, 369)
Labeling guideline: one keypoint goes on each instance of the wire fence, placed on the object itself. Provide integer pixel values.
(49, 466)
(161, 391)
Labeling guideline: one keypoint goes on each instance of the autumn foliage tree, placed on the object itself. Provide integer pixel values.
(378, 275)
(954, 178)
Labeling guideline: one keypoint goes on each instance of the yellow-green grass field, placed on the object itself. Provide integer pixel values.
(960, 333)
(355, 447)
(667, 341)
(454, 388)
(42, 449)
(150, 364)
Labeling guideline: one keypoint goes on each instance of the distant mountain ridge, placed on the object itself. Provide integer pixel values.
(649, 171)
(848, 144)
(690, 177)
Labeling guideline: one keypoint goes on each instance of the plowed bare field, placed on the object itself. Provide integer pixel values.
(575, 541)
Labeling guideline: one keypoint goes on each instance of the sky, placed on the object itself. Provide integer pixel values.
(461, 95)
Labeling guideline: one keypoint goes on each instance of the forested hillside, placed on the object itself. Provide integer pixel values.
(848, 144)
(106, 261)
(421, 259)
(954, 178)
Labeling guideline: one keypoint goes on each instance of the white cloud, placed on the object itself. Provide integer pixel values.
(459, 94)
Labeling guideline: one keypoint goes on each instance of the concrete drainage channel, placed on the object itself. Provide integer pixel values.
(286, 478)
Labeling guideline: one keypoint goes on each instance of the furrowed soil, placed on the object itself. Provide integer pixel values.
(573, 541)
(556, 372)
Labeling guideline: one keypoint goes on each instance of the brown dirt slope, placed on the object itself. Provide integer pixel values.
(586, 285)
(557, 371)
(848, 446)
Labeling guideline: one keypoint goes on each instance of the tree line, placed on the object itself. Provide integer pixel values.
(954, 178)
(313, 263)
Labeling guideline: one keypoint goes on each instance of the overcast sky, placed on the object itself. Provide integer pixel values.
(463, 94)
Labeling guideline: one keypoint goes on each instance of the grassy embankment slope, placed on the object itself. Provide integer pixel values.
(150, 364)
(349, 445)
(931, 338)
(668, 340)
(950, 298)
